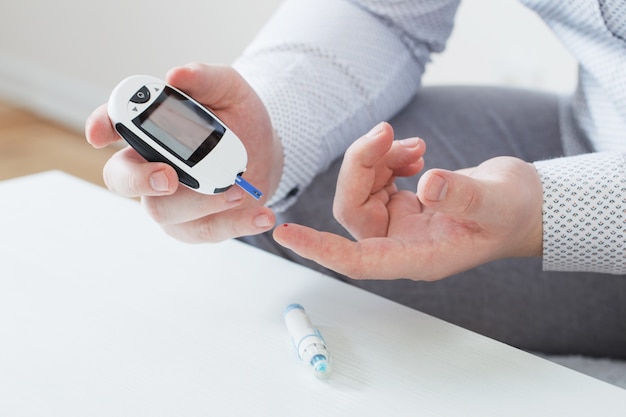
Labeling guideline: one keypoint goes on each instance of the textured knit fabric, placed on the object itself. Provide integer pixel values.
(584, 213)
(328, 70)
(585, 197)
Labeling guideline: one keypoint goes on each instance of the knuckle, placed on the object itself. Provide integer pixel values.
(205, 232)
(106, 177)
(154, 209)
(134, 185)
(178, 233)
(120, 179)
(208, 231)
(472, 202)
(340, 214)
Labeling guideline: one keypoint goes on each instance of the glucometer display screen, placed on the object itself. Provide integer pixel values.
(179, 125)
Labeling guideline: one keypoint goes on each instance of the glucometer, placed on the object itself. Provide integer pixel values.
(163, 124)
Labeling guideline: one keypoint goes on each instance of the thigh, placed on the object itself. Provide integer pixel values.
(510, 300)
(464, 126)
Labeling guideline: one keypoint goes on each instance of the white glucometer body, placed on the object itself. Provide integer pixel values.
(163, 124)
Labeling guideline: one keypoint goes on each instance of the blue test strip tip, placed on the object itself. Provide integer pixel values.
(247, 187)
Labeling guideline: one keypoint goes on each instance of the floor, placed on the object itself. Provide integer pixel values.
(31, 144)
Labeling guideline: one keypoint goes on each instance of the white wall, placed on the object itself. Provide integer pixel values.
(502, 42)
(61, 58)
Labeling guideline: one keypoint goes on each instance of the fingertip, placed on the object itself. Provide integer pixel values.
(280, 232)
(126, 173)
(194, 66)
(290, 236)
(452, 193)
(171, 185)
(194, 75)
(369, 148)
(160, 181)
(381, 130)
(265, 219)
(327, 249)
(432, 187)
(249, 221)
(99, 131)
(413, 143)
(212, 85)
(375, 131)
(178, 75)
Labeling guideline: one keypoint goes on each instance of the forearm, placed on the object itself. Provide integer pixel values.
(329, 70)
(584, 213)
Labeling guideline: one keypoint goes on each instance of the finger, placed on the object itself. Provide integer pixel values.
(126, 173)
(361, 192)
(329, 250)
(405, 158)
(357, 174)
(98, 128)
(453, 193)
(223, 226)
(376, 258)
(211, 85)
(187, 205)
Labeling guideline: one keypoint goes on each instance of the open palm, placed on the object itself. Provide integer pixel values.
(455, 221)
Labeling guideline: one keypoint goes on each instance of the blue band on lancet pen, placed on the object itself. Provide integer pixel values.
(292, 306)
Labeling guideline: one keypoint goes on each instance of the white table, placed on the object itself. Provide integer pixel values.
(102, 314)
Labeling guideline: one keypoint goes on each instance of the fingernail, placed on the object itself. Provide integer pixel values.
(375, 130)
(437, 188)
(193, 65)
(159, 181)
(410, 142)
(262, 221)
(233, 194)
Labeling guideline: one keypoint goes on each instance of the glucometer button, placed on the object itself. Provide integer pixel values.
(141, 96)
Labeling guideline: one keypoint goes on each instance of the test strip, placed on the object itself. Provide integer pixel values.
(247, 187)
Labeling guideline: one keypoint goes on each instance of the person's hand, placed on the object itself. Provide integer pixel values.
(183, 213)
(457, 220)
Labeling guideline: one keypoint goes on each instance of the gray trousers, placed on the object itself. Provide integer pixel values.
(510, 300)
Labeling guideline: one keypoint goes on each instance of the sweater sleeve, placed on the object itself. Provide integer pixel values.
(329, 70)
(584, 213)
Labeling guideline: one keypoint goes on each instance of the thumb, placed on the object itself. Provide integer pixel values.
(452, 193)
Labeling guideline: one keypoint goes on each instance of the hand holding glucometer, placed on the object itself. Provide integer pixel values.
(163, 124)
